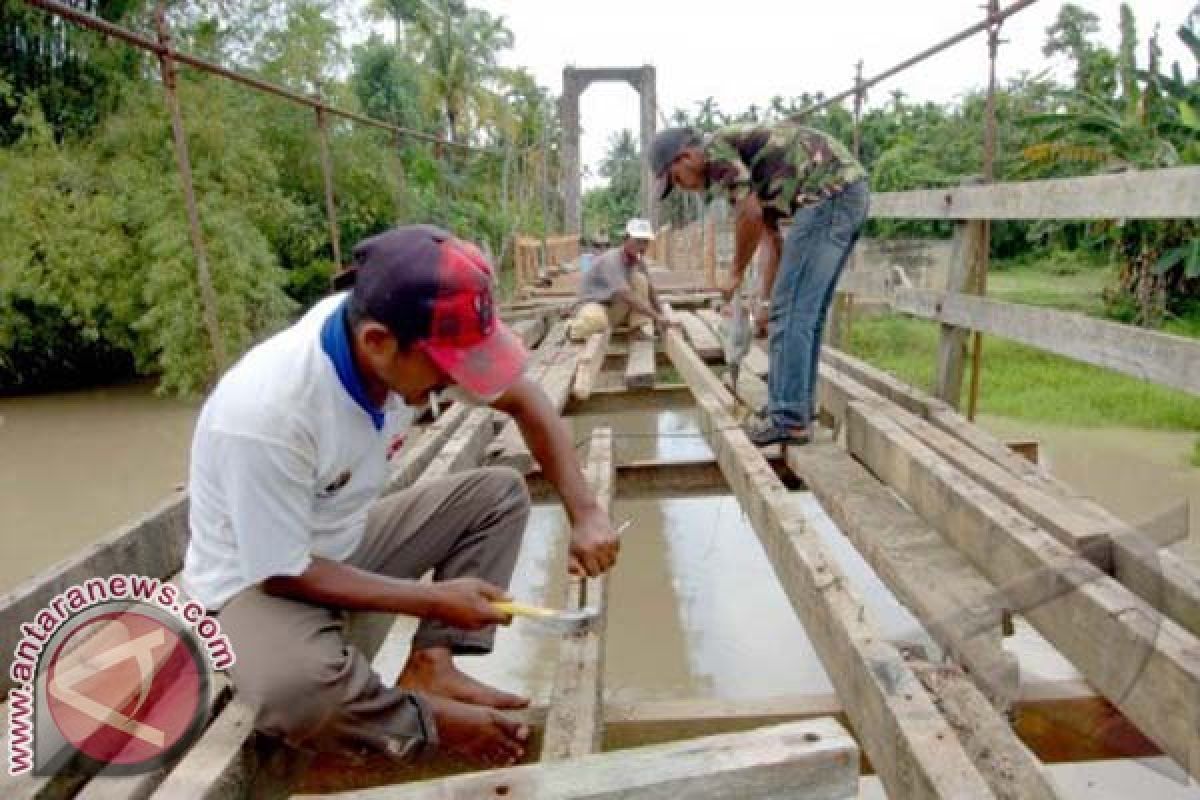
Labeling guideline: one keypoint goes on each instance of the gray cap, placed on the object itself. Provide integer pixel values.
(666, 146)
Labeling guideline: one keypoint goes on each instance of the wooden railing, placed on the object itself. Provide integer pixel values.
(1158, 194)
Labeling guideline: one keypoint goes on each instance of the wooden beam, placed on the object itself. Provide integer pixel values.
(591, 361)
(530, 330)
(640, 370)
(817, 755)
(1145, 663)
(151, 545)
(1160, 358)
(704, 342)
(1160, 577)
(418, 452)
(926, 574)
(575, 724)
(1151, 194)
(910, 745)
(1007, 765)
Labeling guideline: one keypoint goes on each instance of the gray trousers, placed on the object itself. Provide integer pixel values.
(315, 689)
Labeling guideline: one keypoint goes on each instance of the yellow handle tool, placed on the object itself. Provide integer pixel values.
(556, 620)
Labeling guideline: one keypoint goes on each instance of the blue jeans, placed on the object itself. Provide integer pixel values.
(816, 249)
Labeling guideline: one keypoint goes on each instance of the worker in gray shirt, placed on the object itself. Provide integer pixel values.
(616, 289)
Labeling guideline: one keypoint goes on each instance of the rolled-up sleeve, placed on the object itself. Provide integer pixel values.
(269, 488)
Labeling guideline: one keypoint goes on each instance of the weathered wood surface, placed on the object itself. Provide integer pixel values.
(1151, 194)
(641, 366)
(968, 259)
(1160, 358)
(530, 330)
(910, 745)
(816, 757)
(1158, 576)
(1142, 661)
(575, 723)
(152, 545)
(1010, 769)
(703, 341)
(591, 361)
(926, 574)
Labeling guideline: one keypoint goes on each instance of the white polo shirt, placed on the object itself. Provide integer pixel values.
(287, 457)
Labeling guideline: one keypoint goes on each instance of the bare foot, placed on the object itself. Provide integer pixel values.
(478, 734)
(431, 671)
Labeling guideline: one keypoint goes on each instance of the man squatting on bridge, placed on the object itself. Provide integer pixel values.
(289, 456)
(771, 174)
(617, 289)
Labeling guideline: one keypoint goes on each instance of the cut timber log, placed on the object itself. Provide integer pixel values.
(591, 361)
(1010, 769)
(704, 342)
(1143, 662)
(575, 724)
(816, 757)
(640, 369)
(926, 574)
(909, 743)
(1160, 577)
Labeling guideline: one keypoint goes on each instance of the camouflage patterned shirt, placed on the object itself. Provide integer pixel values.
(788, 166)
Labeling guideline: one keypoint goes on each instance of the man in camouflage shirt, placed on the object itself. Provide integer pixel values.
(773, 174)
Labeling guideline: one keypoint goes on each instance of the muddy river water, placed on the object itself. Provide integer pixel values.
(695, 610)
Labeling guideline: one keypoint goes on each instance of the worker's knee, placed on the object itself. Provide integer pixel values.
(506, 490)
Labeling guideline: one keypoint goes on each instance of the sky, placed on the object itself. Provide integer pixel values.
(707, 47)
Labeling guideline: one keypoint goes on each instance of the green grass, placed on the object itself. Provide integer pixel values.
(1196, 454)
(1024, 383)
(1054, 286)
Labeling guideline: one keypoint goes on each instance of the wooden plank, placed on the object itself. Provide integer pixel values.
(1151, 194)
(591, 361)
(926, 574)
(774, 762)
(549, 368)
(1010, 769)
(1145, 663)
(151, 545)
(416, 455)
(530, 330)
(575, 724)
(704, 342)
(641, 367)
(1149, 355)
(1160, 577)
(910, 745)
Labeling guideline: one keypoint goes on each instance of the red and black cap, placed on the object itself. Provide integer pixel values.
(436, 290)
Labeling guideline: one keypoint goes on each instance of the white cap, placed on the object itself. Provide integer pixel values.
(639, 229)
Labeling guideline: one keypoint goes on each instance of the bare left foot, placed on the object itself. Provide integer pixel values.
(432, 671)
